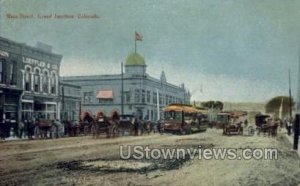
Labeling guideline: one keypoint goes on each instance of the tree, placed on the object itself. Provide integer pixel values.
(273, 106)
(213, 104)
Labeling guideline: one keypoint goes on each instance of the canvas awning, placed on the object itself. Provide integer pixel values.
(105, 94)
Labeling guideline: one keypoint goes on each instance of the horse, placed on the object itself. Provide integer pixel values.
(42, 128)
(86, 124)
(73, 128)
(147, 127)
(113, 124)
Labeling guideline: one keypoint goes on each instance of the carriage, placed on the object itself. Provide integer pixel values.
(126, 125)
(266, 124)
(234, 123)
(103, 124)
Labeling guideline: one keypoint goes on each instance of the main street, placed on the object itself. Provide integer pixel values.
(87, 161)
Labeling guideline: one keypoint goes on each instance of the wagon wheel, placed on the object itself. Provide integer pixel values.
(251, 131)
(225, 131)
(77, 131)
(116, 132)
(182, 131)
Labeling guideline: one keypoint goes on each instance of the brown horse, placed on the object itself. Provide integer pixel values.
(42, 128)
(113, 123)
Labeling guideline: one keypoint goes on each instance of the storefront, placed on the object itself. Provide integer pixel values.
(9, 104)
(37, 107)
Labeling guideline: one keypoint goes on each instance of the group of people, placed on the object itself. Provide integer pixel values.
(30, 129)
(145, 124)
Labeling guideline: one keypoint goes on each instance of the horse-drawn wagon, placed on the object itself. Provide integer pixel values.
(266, 124)
(104, 124)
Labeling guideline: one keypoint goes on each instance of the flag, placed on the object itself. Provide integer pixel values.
(138, 36)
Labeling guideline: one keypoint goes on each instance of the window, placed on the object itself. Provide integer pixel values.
(105, 101)
(45, 82)
(87, 97)
(143, 96)
(154, 97)
(137, 95)
(160, 99)
(12, 73)
(27, 79)
(127, 97)
(1, 70)
(53, 83)
(167, 99)
(36, 80)
(148, 96)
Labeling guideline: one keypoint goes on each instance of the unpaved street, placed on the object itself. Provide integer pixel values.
(87, 161)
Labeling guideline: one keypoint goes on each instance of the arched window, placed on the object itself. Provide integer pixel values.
(53, 83)
(36, 80)
(27, 79)
(45, 82)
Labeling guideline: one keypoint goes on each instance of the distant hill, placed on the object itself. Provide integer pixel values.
(245, 106)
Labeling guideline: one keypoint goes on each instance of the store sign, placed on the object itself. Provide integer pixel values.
(4, 54)
(42, 64)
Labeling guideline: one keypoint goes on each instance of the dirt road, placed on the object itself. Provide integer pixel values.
(87, 161)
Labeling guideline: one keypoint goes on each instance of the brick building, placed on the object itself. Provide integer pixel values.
(29, 79)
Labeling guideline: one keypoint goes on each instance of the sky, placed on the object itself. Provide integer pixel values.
(227, 50)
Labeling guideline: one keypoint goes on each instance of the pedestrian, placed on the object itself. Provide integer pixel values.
(7, 127)
(246, 123)
(14, 127)
(135, 125)
(2, 130)
(31, 127)
(289, 127)
(21, 129)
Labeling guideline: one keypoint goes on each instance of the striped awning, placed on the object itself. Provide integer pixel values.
(105, 94)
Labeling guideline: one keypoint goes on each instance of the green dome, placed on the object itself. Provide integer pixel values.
(135, 59)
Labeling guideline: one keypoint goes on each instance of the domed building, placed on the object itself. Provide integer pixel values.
(142, 93)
